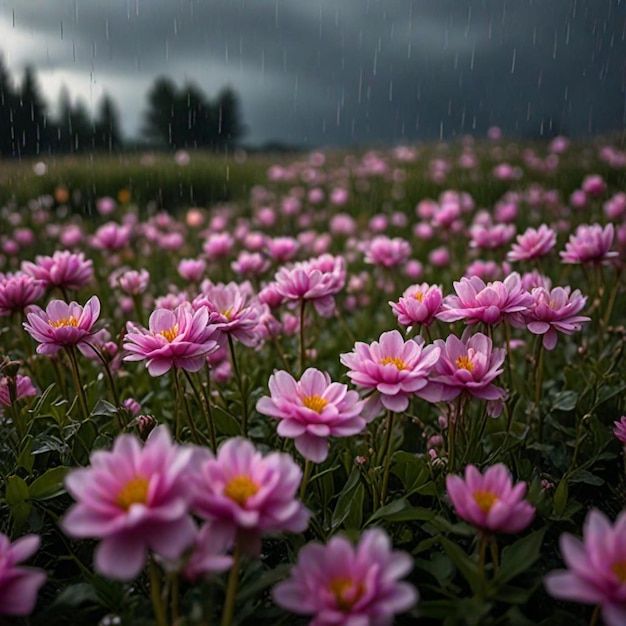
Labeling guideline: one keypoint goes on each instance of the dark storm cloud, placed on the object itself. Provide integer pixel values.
(336, 71)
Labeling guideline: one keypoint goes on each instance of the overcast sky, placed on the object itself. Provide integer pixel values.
(328, 72)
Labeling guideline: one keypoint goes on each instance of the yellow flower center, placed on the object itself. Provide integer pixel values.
(465, 363)
(315, 403)
(619, 569)
(396, 360)
(485, 500)
(170, 334)
(135, 491)
(419, 296)
(64, 321)
(228, 313)
(346, 592)
(239, 489)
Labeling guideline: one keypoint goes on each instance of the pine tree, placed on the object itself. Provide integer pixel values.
(108, 136)
(30, 117)
(8, 104)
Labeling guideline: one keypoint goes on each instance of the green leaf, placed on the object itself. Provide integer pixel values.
(354, 519)
(49, 485)
(560, 497)
(583, 476)
(225, 423)
(463, 563)
(83, 440)
(411, 470)
(26, 458)
(565, 401)
(16, 490)
(268, 579)
(520, 556)
(392, 508)
(344, 502)
(17, 498)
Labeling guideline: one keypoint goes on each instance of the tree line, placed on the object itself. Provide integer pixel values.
(175, 118)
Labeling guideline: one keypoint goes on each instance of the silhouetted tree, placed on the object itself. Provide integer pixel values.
(75, 130)
(30, 117)
(229, 128)
(185, 118)
(160, 116)
(8, 103)
(107, 128)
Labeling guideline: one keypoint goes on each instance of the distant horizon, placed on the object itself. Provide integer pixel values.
(339, 72)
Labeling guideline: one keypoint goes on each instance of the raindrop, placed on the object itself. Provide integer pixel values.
(513, 60)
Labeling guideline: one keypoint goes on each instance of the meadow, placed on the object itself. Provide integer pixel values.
(337, 388)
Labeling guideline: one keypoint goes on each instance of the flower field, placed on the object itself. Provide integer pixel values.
(350, 389)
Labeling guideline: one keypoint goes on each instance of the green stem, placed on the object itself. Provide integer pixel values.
(482, 555)
(181, 394)
(77, 382)
(301, 338)
(174, 597)
(611, 303)
(111, 381)
(155, 594)
(388, 450)
(244, 399)
(231, 591)
(538, 386)
(595, 617)
(15, 414)
(205, 406)
(344, 325)
(308, 466)
(495, 556)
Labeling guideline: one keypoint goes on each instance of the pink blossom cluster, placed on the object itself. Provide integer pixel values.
(138, 500)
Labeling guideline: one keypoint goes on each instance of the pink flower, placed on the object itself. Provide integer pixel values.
(596, 571)
(304, 283)
(393, 369)
(19, 585)
(590, 244)
(386, 252)
(311, 410)
(17, 291)
(418, 305)
(180, 338)
(490, 237)
(134, 282)
(555, 310)
(532, 244)
(620, 430)
(466, 365)
(192, 269)
(489, 501)
(218, 246)
(65, 270)
(250, 264)
(282, 249)
(232, 311)
(111, 236)
(209, 552)
(594, 185)
(134, 499)
(23, 389)
(342, 584)
(62, 324)
(251, 493)
(490, 303)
